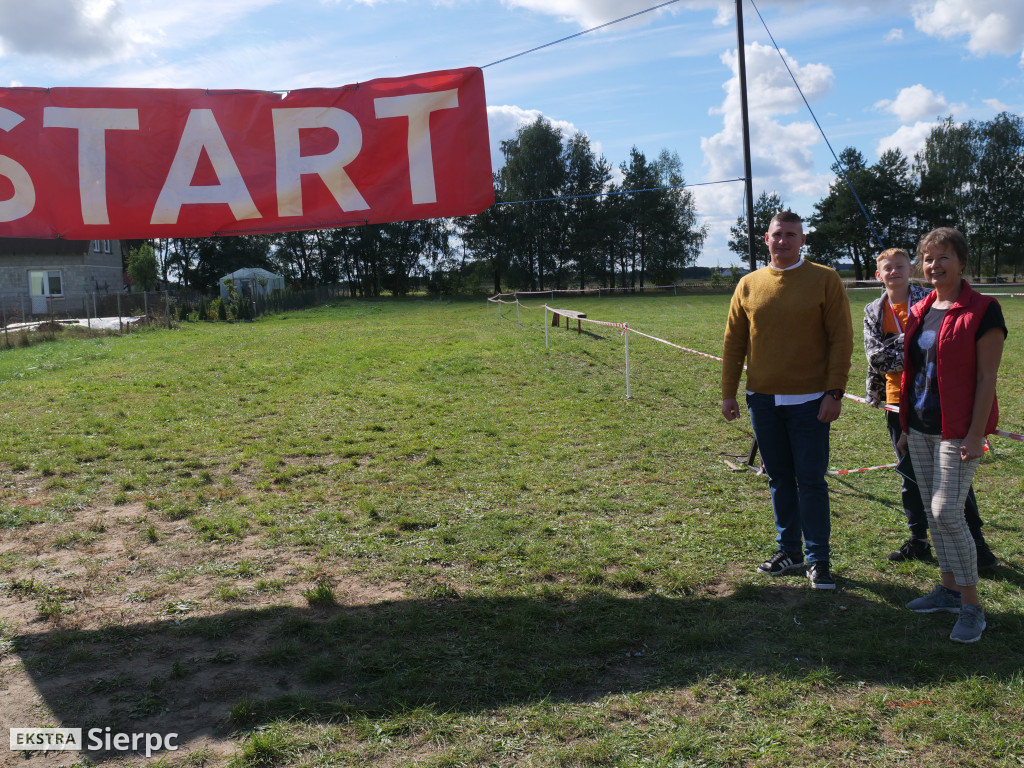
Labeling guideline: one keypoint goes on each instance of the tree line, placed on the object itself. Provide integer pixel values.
(968, 175)
(564, 218)
(561, 220)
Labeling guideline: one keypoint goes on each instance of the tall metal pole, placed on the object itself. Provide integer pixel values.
(747, 175)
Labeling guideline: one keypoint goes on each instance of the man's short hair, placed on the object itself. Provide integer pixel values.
(787, 217)
(945, 236)
(892, 253)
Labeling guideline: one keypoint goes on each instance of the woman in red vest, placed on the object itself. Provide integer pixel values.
(947, 407)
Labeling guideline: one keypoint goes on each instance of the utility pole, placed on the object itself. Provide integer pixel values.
(747, 175)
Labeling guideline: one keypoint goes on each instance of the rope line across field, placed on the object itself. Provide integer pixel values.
(581, 317)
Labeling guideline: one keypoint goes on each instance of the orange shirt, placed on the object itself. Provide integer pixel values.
(894, 379)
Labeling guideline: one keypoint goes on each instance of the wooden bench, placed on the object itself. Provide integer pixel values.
(557, 315)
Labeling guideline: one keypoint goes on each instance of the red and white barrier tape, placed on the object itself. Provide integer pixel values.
(861, 469)
(833, 472)
(1011, 435)
(626, 329)
(868, 469)
(896, 409)
(694, 351)
(884, 406)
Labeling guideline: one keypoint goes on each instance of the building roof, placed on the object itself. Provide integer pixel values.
(251, 272)
(16, 246)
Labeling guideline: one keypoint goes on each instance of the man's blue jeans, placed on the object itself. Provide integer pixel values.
(794, 451)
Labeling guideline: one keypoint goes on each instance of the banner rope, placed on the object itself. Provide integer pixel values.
(578, 34)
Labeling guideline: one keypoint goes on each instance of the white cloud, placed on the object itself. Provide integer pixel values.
(65, 29)
(585, 13)
(114, 30)
(996, 105)
(257, 66)
(992, 26)
(724, 17)
(782, 158)
(914, 103)
(160, 24)
(909, 139)
(503, 122)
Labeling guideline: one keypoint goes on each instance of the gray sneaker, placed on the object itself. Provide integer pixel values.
(939, 600)
(969, 626)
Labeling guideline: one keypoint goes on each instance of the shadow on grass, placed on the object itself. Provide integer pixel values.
(856, 490)
(241, 669)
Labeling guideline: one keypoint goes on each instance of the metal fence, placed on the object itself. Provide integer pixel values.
(284, 301)
(120, 311)
(111, 311)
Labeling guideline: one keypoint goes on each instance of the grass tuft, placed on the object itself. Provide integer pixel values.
(320, 595)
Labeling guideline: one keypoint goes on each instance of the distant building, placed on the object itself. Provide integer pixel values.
(40, 277)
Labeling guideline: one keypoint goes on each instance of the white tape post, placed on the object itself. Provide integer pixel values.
(625, 333)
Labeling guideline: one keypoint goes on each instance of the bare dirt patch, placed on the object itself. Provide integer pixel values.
(128, 620)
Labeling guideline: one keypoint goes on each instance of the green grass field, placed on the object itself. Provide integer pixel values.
(406, 532)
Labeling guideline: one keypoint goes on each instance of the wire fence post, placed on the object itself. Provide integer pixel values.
(545, 326)
(518, 325)
(119, 328)
(625, 332)
(498, 302)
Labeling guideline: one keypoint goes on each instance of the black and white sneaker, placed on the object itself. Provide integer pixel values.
(781, 562)
(911, 549)
(820, 575)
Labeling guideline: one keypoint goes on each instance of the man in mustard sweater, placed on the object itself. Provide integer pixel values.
(790, 322)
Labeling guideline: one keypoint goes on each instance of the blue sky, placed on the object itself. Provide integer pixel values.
(877, 73)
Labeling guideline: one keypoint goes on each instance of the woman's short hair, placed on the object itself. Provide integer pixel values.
(945, 236)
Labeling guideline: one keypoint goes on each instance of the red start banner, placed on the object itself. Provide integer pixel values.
(99, 163)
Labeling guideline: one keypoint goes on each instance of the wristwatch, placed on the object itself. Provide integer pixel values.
(837, 394)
